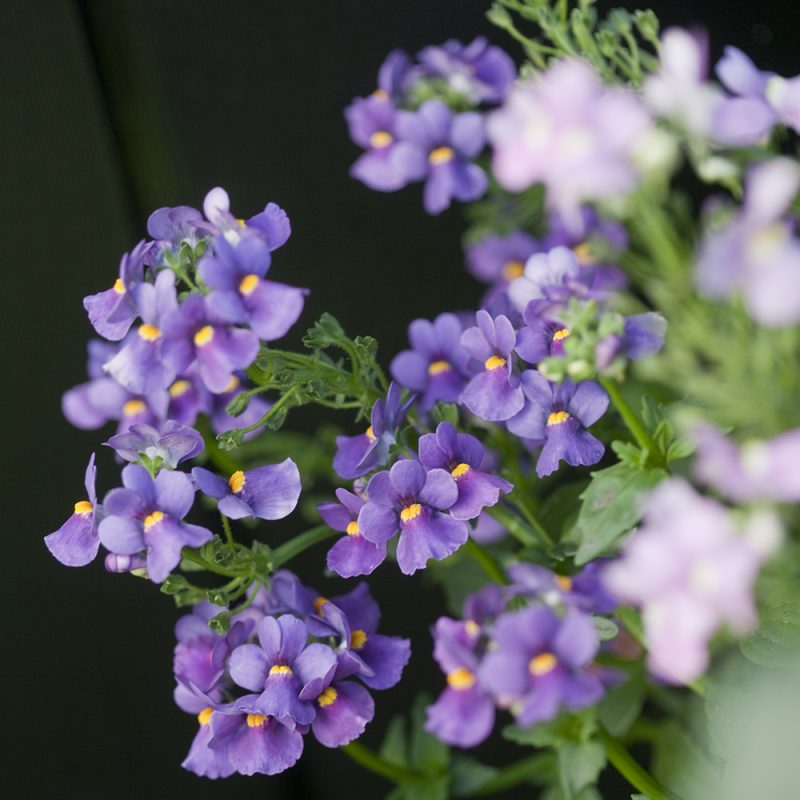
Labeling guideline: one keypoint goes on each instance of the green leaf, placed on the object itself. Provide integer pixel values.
(611, 506)
(469, 775)
(622, 704)
(606, 629)
(580, 764)
(426, 752)
(776, 643)
(394, 748)
(445, 412)
(436, 787)
(578, 727)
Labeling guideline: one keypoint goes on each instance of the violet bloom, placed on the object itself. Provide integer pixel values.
(436, 366)
(269, 492)
(169, 446)
(176, 225)
(148, 515)
(463, 715)
(352, 554)
(557, 416)
(478, 71)
(394, 77)
(240, 294)
(357, 455)
(390, 162)
(584, 590)
(287, 672)
(538, 662)
(494, 393)
(757, 471)
(462, 456)
(500, 259)
(756, 253)
(642, 336)
(690, 571)
(344, 708)
(270, 225)
(410, 501)
(195, 334)
(202, 759)
(187, 399)
(112, 312)
(543, 335)
(139, 365)
(447, 143)
(569, 131)
(75, 543)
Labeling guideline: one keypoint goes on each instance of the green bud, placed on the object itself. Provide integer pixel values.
(220, 623)
(230, 440)
(238, 405)
(647, 23)
(580, 370)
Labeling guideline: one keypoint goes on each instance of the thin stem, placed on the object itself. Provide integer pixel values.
(488, 562)
(635, 425)
(520, 505)
(286, 552)
(255, 584)
(515, 526)
(279, 404)
(219, 458)
(380, 766)
(196, 558)
(633, 772)
(226, 526)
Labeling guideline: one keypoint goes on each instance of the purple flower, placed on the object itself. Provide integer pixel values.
(756, 254)
(538, 662)
(239, 292)
(435, 367)
(642, 336)
(463, 715)
(147, 515)
(169, 446)
(543, 335)
(194, 334)
(287, 672)
(343, 710)
(269, 492)
(583, 590)
(500, 259)
(271, 225)
(358, 455)
(174, 226)
(494, 393)
(76, 542)
(557, 416)
(410, 500)
(478, 71)
(691, 571)
(352, 554)
(394, 77)
(462, 456)
(569, 131)
(202, 759)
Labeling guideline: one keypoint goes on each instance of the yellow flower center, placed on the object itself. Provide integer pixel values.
(150, 333)
(178, 388)
(153, 519)
(249, 284)
(205, 715)
(83, 507)
(411, 512)
(513, 270)
(561, 334)
(542, 664)
(119, 286)
(381, 139)
(441, 155)
(352, 529)
(381, 94)
(371, 434)
(319, 603)
(133, 407)
(583, 253)
(237, 481)
(564, 582)
(256, 720)
(494, 362)
(204, 336)
(233, 383)
(280, 669)
(472, 627)
(557, 418)
(460, 679)
(358, 639)
(437, 367)
(460, 471)
(328, 697)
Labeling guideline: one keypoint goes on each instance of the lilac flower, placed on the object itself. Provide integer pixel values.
(500, 259)
(76, 542)
(343, 710)
(756, 253)
(758, 471)
(691, 572)
(543, 335)
(478, 71)
(569, 131)
(240, 294)
(174, 226)
(270, 225)
(194, 334)
(538, 662)
(447, 143)
(435, 367)
(557, 416)
(116, 563)
(187, 399)
(462, 456)
(287, 672)
(202, 759)
(395, 76)
(147, 515)
(357, 455)
(584, 590)
(112, 312)
(390, 162)
(139, 365)
(169, 446)
(463, 715)
(352, 554)
(410, 500)
(269, 492)
(494, 393)
(642, 336)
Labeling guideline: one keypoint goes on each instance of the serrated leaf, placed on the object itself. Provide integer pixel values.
(776, 642)
(611, 506)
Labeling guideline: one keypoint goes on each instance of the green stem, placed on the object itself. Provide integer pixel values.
(635, 425)
(226, 526)
(286, 552)
(488, 562)
(196, 558)
(279, 404)
(518, 503)
(633, 772)
(219, 458)
(515, 526)
(380, 766)
(526, 770)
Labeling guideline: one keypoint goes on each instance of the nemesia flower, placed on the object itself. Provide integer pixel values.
(394, 76)
(270, 225)
(172, 444)
(202, 759)
(147, 514)
(174, 226)
(75, 543)
(410, 501)
(557, 416)
(691, 571)
(569, 131)
(462, 456)
(114, 562)
(584, 590)
(344, 708)
(500, 258)
(269, 492)
(435, 367)
(494, 393)
(642, 336)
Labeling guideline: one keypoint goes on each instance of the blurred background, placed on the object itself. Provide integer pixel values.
(108, 110)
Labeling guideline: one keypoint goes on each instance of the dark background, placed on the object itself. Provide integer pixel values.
(109, 109)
